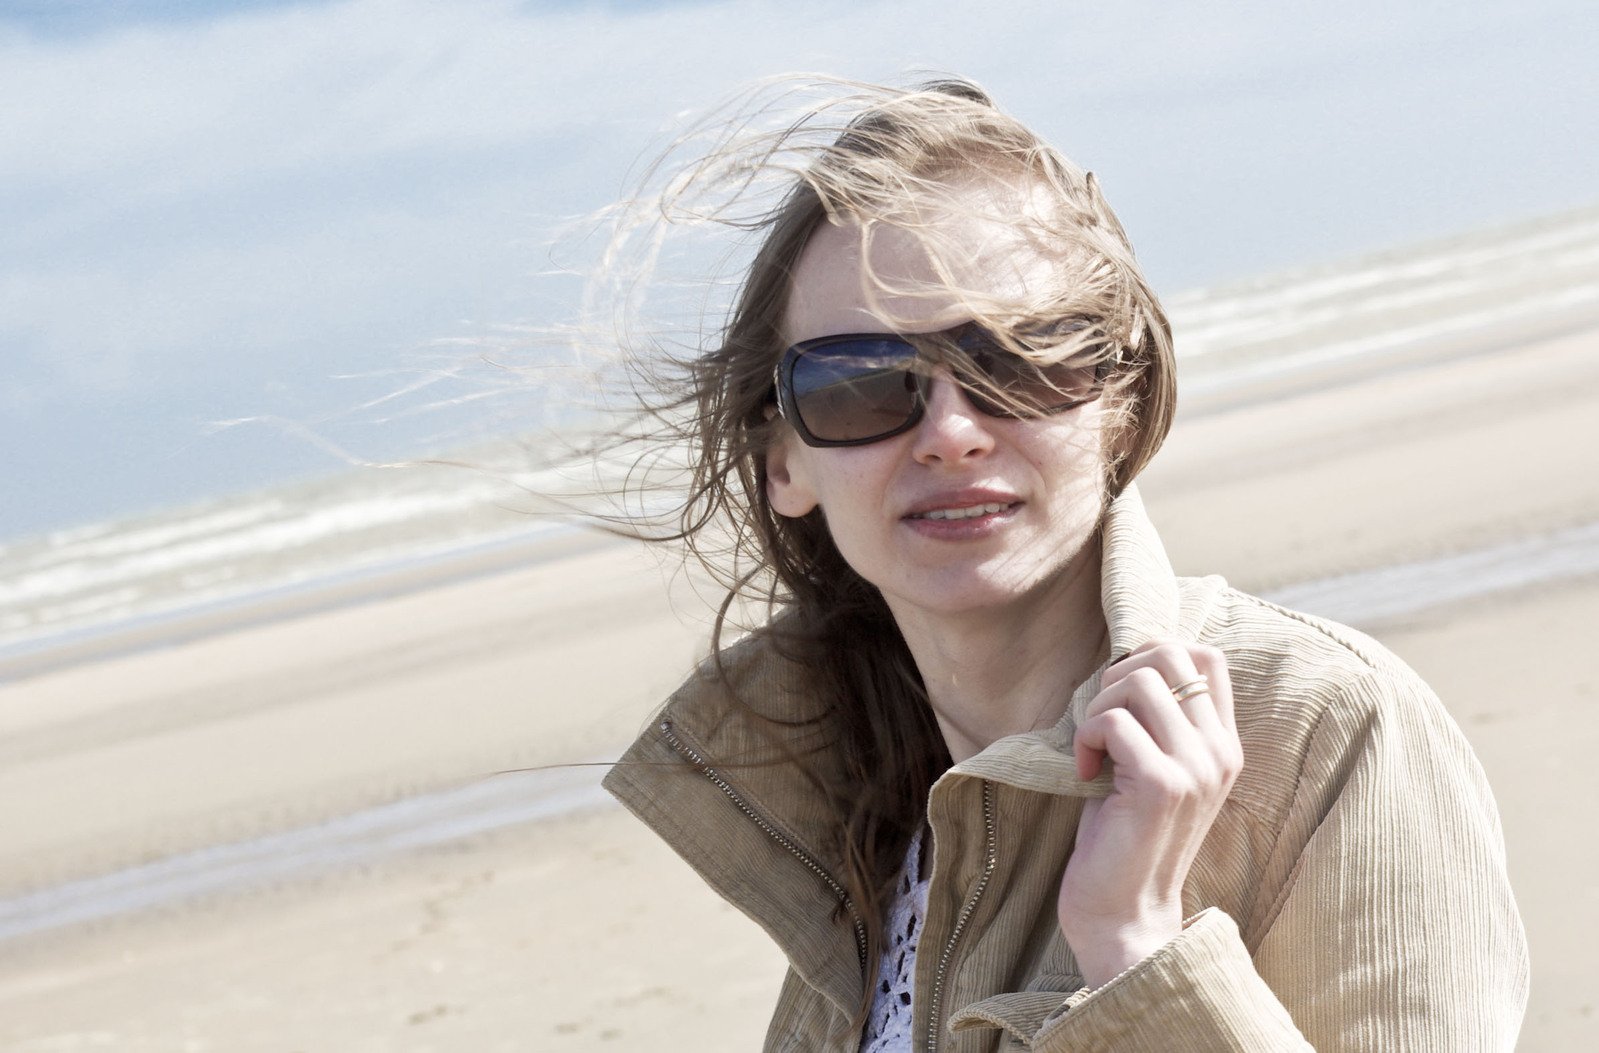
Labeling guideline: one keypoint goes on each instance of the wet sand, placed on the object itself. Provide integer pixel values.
(581, 932)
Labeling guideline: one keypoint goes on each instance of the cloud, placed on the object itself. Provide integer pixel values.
(311, 85)
(171, 108)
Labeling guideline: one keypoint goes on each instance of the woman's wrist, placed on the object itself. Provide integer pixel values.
(1103, 955)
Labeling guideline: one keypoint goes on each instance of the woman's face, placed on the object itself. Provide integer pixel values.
(888, 504)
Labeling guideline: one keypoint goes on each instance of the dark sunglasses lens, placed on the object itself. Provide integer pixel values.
(855, 390)
(1015, 386)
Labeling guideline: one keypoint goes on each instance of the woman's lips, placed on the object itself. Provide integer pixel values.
(965, 515)
(967, 501)
(968, 512)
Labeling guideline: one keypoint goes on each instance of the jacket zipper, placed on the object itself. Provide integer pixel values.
(935, 1020)
(798, 853)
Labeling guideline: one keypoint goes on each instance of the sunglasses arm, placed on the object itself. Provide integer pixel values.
(777, 388)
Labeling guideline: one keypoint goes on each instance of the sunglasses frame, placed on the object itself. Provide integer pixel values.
(788, 406)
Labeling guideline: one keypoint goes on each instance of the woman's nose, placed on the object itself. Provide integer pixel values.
(951, 428)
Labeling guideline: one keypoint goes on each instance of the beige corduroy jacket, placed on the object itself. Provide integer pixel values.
(1351, 895)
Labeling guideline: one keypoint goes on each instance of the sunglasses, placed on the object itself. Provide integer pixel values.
(859, 388)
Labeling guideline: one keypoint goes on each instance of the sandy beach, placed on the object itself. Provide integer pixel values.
(578, 931)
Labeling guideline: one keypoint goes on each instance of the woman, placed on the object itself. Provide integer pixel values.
(992, 776)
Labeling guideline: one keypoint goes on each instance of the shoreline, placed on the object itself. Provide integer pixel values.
(386, 579)
(1217, 383)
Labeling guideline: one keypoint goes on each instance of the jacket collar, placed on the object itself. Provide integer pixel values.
(1142, 601)
(715, 783)
(1137, 588)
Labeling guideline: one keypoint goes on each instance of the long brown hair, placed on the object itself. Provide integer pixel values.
(892, 149)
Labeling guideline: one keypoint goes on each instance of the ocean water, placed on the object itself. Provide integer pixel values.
(1504, 284)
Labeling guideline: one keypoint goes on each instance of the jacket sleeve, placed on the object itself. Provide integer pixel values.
(1392, 925)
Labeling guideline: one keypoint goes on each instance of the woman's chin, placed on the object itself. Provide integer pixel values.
(954, 595)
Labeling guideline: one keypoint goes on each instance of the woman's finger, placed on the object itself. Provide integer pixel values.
(1166, 660)
(1181, 664)
(1169, 657)
(1146, 694)
(1213, 663)
(1116, 734)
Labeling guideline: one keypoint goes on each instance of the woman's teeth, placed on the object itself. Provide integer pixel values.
(962, 513)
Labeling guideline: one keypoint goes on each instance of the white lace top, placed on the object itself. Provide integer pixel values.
(888, 1027)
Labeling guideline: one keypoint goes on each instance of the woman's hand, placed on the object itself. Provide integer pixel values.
(1121, 895)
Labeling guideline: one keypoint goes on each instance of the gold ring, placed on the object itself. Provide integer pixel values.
(1191, 689)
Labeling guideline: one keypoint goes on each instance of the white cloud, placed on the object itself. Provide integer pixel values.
(188, 104)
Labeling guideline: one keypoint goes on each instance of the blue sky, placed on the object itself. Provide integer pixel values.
(216, 211)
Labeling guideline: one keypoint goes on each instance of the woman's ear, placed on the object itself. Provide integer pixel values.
(788, 485)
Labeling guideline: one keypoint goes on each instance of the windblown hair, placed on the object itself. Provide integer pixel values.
(876, 157)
